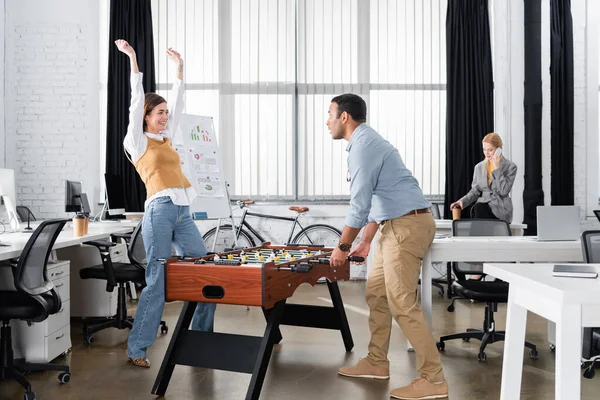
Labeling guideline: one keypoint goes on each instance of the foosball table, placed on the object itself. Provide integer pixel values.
(264, 276)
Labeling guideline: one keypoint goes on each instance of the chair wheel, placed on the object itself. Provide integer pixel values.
(64, 377)
(450, 308)
(466, 339)
(441, 346)
(553, 348)
(29, 396)
(533, 354)
(164, 329)
(482, 356)
(589, 372)
(88, 339)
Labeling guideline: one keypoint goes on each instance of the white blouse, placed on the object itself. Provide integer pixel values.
(136, 140)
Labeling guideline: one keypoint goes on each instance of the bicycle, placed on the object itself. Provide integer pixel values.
(316, 234)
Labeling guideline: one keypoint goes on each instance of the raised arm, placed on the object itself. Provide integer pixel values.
(134, 141)
(176, 96)
(126, 49)
(504, 177)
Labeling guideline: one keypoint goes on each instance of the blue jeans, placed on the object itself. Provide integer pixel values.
(165, 224)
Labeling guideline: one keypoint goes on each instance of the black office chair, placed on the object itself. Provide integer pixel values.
(25, 214)
(490, 292)
(590, 243)
(33, 301)
(117, 275)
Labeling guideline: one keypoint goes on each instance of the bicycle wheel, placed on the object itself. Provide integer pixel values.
(225, 239)
(318, 234)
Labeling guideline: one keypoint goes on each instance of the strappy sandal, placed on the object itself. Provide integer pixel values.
(142, 362)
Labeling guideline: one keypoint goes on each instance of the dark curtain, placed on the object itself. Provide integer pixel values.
(533, 195)
(561, 103)
(469, 93)
(130, 20)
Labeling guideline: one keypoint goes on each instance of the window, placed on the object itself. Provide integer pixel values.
(266, 70)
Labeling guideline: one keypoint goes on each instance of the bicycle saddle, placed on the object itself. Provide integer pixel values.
(299, 210)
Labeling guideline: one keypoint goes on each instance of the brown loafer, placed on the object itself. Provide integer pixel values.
(142, 362)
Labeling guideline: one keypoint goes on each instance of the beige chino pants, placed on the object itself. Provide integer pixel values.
(392, 292)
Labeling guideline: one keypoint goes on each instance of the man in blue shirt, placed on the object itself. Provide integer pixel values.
(386, 200)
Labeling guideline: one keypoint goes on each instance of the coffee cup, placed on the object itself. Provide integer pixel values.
(456, 211)
(79, 225)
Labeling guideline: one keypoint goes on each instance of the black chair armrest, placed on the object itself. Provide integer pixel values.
(126, 236)
(104, 246)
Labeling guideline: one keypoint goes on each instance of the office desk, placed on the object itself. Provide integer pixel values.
(493, 249)
(66, 238)
(43, 341)
(571, 303)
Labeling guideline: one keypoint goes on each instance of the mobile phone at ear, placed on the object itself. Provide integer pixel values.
(498, 152)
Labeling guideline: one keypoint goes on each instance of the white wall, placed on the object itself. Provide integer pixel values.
(51, 97)
(508, 98)
(2, 130)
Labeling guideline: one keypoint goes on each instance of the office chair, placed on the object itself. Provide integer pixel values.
(590, 243)
(490, 292)
(34, 300)
(117, 275)
(25, 213)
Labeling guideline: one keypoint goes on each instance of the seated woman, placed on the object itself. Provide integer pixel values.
(493, 179)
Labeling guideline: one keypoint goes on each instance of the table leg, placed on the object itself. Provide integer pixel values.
(512, 366)
(426, 292)
(568, 354)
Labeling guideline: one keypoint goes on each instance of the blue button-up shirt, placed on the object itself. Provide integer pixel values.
(381, 187)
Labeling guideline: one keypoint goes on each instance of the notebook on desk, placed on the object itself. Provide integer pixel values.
(574, 271)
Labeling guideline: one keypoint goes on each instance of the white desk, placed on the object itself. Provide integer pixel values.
(570, 302)
(66, 238)
(44, 341)
(490, 249)
(444, 227)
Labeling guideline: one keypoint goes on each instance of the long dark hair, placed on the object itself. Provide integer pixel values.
(150, 102)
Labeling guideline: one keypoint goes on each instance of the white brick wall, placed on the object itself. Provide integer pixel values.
(52, 88)
(51, 111)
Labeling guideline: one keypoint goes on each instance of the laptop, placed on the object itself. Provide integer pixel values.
(574, 271)
(558, 223)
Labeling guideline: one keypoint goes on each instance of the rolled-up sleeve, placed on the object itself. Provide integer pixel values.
(364, 166)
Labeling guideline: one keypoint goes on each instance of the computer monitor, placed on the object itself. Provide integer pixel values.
(85, 204)
(8, 198)
(115, 195)
(72, 196)
(7, 184)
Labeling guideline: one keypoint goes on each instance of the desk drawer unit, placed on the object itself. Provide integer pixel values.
(46, 340)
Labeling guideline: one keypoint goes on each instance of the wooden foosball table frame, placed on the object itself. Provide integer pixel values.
(267, 286)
